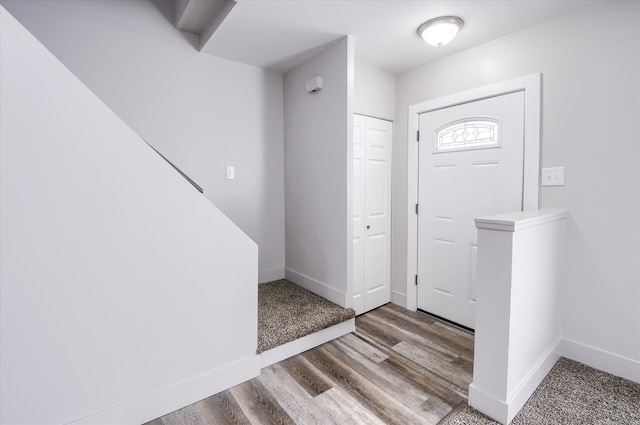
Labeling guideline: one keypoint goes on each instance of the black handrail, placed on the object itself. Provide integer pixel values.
(194, 184)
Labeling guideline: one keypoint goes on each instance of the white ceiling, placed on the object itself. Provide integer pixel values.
(280, 34)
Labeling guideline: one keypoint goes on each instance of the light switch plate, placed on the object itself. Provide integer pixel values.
(231, 172)
(553, 176)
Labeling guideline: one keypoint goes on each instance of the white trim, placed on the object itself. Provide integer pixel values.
(504, 411)
(176, 396)
(375, 117)
(520, 220)
(317, 287)
(305, 343)
(487, 404)
(269, 275)
(398, 298)
(531, 382)
(597, 358)
(531, 85)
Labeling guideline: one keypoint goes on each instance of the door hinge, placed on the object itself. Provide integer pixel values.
(416, 279)
(417, 208)
(418, 136)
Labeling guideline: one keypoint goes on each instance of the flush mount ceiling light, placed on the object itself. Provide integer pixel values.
(439, 31)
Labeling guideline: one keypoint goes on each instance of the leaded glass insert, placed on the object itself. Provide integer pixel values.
(468, 134)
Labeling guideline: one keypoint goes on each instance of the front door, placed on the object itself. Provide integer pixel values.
(470, 165)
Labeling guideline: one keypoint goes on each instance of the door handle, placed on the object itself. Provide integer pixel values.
(368, 226)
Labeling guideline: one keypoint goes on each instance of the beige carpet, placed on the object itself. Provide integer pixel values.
(571, 394)
(287, 312)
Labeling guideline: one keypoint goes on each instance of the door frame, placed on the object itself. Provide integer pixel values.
(531, 85)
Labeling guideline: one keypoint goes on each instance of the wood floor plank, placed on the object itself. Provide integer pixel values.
(366, 350)
(368, 394)
(426, 397)
(418, 369)
(446, 330)
(259, 405)
(419, 374)
(223, 409)
(406, 330)
(431, 383)
(404, 336)
(346, 410)
(185, 416)
(306, 376)
(442, 360)
(299, 405)
(379, 374)
(442, 366)
(365, 326)
(457, 340)
(398, 367)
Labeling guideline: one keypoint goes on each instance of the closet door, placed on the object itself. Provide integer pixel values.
(371, 213)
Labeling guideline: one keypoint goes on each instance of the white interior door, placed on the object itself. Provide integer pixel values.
(371, 213)
(470, 165)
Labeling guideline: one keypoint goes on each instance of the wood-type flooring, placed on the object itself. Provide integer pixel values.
(399, 367)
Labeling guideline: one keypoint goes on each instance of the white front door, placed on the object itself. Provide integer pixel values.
(371, 212)
(470, 165)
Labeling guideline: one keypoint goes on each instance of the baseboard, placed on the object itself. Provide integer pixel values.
(317, 287)
(398, 298)
(596, 358)
(305, 343)
(176, 396)
(531, 382)
(269, 275)
(504, 411)
(489, 405)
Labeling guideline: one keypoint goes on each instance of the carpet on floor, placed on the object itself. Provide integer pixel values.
(572, 393)
(287, 312)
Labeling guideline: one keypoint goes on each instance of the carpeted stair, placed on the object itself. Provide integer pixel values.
(287, 312)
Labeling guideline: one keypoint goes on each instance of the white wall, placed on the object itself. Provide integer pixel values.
(591, 105)
(201, 112)
(318, 173)
(374, 92)
(115, 271)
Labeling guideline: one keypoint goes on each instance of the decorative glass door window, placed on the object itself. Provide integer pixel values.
(473, 133)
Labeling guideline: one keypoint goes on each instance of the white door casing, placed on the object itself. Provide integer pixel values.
(470, 165)
(531, 86)
(371, 213)
(358, 213)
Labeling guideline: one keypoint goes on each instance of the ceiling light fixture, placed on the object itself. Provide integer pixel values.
(439, 31)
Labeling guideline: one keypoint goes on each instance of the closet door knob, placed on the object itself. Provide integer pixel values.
(368, 226)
